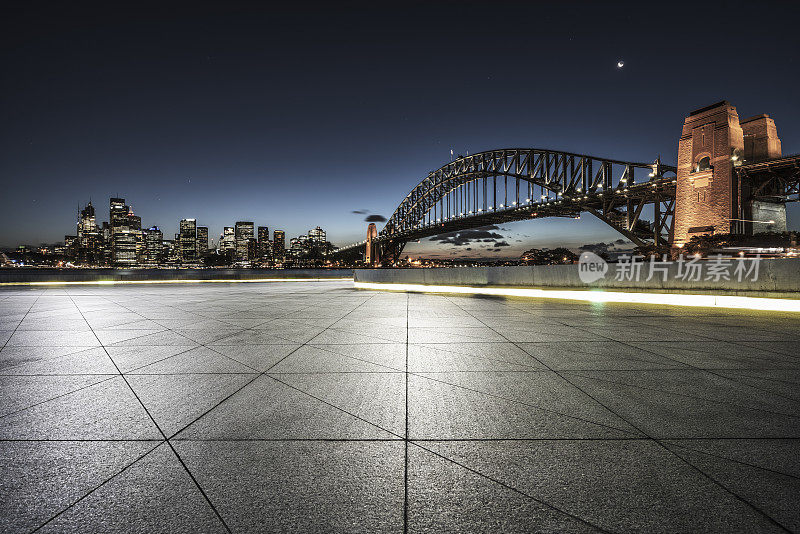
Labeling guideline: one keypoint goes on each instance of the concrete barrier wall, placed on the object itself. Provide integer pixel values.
(778, 276)
(16, 275)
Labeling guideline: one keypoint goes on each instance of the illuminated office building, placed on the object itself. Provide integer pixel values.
(125, 233)
(89, 238)
(317, 235)
(202, 241)
(187, 240)
(264, 245)
(153, 246)
(279, 243)
(227, 241)
(245, 231)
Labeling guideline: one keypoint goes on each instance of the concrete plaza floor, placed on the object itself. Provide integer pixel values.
(314, 407)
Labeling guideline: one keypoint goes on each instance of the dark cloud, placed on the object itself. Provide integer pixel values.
(375, 218)
(501, 244)
(465, 237)
(360, 212)
(597, 248)
(620, 242)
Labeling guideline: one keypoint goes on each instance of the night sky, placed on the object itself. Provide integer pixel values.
(299, 116)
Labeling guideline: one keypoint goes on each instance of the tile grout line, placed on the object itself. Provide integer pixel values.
(405, 467)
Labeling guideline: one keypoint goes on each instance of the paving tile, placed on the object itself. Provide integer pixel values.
(784, 382)
(269, 409)
(174, 401)
(339, 359)
(257, 357)
(165, 337)
(196, 360)
(52, 338)
(154, 494)
(540, 333)
(21, 392)
(43, 478)
(11, 357)
(453, 334)
(106, 410)
(301, 486)
(262, 337)
(699, 384)
(596, 355)
(375, 397)
(667, 415)
(718, 355)
(446, 497)
(630, 485)
(86, 362)
(439, 410)
(391, 356)
(774, 493)
(470, 357)
(54, 323)
(130, 358)
(544, 393)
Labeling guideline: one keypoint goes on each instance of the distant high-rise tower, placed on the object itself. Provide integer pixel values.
(125, 233)
(187, 240)
(279, 243)
(264, 247)
(245, 231)
(90, 238)
(202, 241)
(153, 246)
(227, 241)
(317, 235)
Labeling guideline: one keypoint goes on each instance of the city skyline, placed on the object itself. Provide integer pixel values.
(123, 241)
(225, 113)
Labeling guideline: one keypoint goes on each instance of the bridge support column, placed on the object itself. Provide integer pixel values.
(709, 197)
(372, 255)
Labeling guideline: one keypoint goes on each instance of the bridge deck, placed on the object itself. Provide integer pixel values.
(314, 407)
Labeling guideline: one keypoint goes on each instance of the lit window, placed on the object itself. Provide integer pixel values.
(703, 164)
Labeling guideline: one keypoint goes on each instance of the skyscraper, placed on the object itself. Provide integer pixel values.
(264, 248)
(153, 246)
(187, 240)
(124, 230)
(245, 231)
(202, 241)
(317, 235)
(90, 238)
(227, 241)
(278, 244)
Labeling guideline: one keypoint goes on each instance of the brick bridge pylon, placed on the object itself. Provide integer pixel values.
(712, 196)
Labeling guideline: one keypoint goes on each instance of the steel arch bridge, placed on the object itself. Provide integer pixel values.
(514, 184)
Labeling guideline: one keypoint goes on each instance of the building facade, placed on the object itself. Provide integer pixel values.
(279, 244)
(187, 240)
(245, 231)
(202, 241)
(153, 246)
